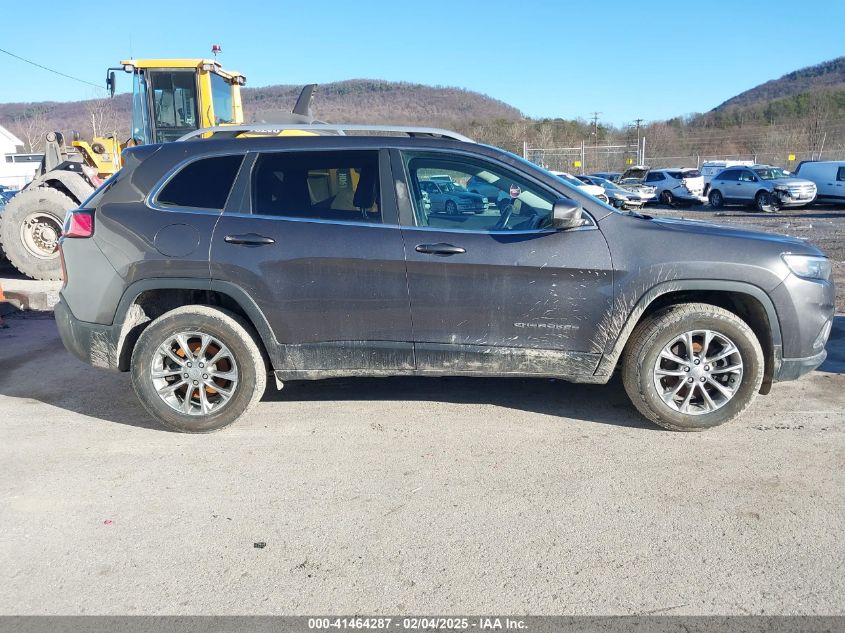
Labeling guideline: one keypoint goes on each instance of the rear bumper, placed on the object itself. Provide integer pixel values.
(91, 343)
(691, 197)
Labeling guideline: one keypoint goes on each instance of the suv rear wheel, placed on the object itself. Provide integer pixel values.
(692, 366)
(197, 369)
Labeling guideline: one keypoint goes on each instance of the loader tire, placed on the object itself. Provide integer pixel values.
(30, 229)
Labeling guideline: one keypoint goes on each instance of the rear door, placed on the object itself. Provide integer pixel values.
(500, 291)
(310, 237)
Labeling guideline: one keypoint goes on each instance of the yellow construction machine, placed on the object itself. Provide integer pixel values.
(170, 98)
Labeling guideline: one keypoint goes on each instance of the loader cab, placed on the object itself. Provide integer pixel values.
(173, 97)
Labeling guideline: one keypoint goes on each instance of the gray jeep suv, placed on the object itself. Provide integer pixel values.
(206, 265)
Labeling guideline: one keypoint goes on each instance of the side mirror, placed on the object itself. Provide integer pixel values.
(566, 214)
(110, 83)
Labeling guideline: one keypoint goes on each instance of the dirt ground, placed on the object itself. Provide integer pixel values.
(822, 225)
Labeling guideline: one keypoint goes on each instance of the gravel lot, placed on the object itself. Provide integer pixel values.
(420, 495)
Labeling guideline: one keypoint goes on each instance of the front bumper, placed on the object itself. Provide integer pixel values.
(91, 343)
(787, 202)
(794, 368)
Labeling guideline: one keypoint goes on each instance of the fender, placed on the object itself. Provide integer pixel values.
(614, 347)
(74, 182)
(125, 319)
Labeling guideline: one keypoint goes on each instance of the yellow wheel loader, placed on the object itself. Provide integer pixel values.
(170, 97)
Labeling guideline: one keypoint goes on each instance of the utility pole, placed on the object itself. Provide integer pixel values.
(596, 135)
(639, 122)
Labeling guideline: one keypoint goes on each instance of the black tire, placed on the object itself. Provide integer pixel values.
(451, 208)
(229, 329)
(49, 206)
(659, 330)
(717, 201)
(667, 198)
(765, 202)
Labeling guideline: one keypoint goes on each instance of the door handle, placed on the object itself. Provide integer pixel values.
(249, 239)
(440, 249)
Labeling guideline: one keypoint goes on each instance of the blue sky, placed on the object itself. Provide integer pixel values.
(626, 59)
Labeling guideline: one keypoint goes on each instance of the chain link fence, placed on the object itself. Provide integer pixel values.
(611, 157)
(584, 158)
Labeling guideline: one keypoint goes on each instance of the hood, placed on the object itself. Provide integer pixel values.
(707, 228)
(635, 173)
(465, 194)
(791, 180)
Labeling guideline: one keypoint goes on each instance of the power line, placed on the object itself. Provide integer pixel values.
(56, 72)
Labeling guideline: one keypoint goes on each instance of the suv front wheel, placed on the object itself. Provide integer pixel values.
(692, 366)
(197, 369)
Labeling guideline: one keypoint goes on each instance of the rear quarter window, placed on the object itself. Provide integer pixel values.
(202, 184)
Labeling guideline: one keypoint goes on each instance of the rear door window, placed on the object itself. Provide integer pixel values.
(729, 174)
(202, 184)
(327, 185)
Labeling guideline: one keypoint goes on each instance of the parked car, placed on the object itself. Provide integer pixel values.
(587, 187)
(681, 184)
(451, 198)
(316, 269)
(619, 197)
(612, 176)
(828, 175)
(765, 187)
(710, 168)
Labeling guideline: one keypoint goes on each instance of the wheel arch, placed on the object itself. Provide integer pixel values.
(747, 301)
(146, 300)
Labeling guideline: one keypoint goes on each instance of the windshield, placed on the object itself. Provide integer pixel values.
(221, 99)
(449, 187)
(771, 173)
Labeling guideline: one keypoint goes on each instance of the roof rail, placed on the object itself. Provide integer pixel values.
(326, 127)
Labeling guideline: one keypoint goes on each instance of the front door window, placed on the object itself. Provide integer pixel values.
(456, 192)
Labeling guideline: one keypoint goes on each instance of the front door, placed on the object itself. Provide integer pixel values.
(308, 235)
(746, 186)
(500, 291)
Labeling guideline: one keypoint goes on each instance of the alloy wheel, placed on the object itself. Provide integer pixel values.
(194, 373)
(698, 372)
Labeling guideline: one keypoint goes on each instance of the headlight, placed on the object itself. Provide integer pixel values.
(809, 266)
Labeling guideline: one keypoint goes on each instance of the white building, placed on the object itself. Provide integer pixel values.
(16, 168)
